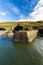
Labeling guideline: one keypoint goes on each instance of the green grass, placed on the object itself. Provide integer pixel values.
(27, 24)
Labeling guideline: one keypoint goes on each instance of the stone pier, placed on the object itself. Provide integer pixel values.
(25, 36)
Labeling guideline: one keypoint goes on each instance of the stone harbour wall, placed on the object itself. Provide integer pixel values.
(25, 36)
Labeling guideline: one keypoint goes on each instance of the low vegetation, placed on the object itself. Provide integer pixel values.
(26, 24)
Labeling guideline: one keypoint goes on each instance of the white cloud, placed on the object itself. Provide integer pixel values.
(23, 18)
(37, 14)
(3, 13)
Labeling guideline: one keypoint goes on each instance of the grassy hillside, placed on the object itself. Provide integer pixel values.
(27, 24)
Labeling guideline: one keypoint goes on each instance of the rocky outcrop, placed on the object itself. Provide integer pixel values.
(35, 27)
(17, 28)
(2, 29)
(40, 32)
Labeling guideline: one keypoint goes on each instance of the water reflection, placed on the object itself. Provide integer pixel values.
(6, 42)
(21, 54)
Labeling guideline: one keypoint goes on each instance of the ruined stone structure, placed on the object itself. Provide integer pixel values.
(25, 36)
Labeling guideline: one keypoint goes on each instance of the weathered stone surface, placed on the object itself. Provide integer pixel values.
(25, 36)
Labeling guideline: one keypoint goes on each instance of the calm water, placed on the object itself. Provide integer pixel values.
(21, 54)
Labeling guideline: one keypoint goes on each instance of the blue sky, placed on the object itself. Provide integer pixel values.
(14, 10)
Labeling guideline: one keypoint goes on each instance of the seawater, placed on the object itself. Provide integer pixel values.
(21, 54)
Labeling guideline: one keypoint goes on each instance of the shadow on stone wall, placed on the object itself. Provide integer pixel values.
(2, 29)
